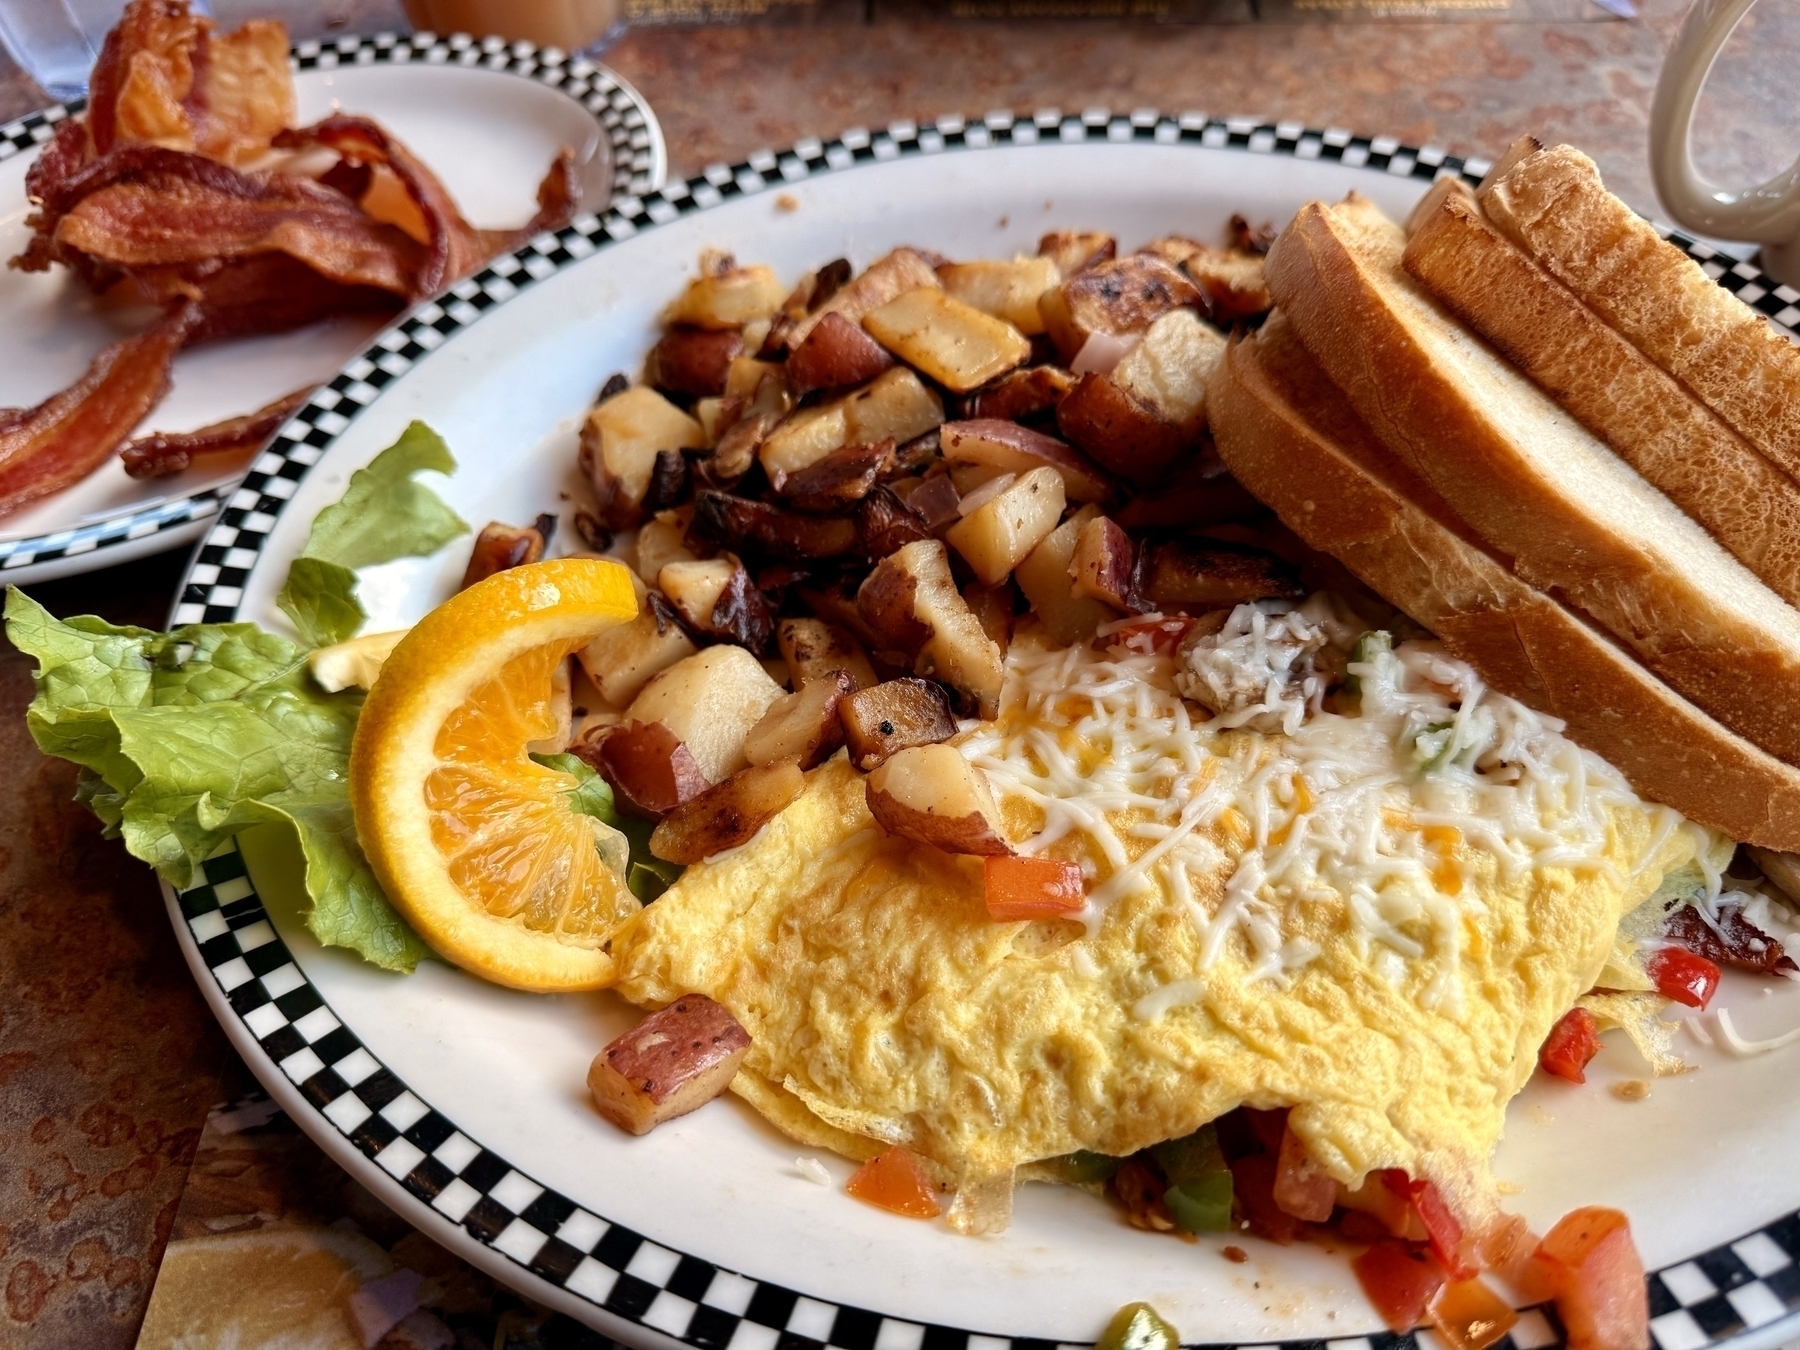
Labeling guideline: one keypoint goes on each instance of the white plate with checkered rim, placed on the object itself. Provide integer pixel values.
(486, 114)
(463, 1105)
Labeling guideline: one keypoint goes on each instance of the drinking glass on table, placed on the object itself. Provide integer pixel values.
(570, 24)
(57, 41)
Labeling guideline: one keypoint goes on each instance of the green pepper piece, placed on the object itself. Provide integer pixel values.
(1136, 1326)
(1082, 1167)
(1191, 1157)
(1202, 1205)
(1367, 647)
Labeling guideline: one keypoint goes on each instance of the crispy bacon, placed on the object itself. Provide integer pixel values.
(70, 434)
(163, 453)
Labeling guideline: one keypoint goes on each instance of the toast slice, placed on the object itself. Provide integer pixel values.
(1554, 206)
(1607, 384)
(1534, 485)
(1290, 437)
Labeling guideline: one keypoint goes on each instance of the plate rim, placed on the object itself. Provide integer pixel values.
(242, 977)
(640, 160)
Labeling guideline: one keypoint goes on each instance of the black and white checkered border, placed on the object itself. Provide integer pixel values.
(1701, 1302)
(639, 160)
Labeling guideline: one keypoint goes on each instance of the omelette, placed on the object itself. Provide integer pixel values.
(1370, 906)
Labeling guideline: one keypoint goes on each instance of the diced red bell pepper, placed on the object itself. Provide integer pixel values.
(1469, 1315)
(1268, 1126)
(1400, 1281)
(1442, 1229)
(1161, 636)
(1682, 976)
(1032, 888)
(893, 1181)
(1592, 1268)
(1253, 1188)
(1571, 1043)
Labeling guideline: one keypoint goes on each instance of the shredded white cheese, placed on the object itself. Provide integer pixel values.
(813, 1170)
(1744, 1049)
(1384, 804)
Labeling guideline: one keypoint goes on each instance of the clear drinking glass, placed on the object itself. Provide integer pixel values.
(57, 41)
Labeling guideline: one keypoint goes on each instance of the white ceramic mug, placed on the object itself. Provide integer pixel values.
(1768, 214)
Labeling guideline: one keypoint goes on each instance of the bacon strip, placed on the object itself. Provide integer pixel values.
(70, 434)
(163, 453)
(1737, 942)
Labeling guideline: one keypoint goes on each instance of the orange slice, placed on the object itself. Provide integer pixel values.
(476, 844)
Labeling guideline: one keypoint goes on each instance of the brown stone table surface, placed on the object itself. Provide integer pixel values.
(109, 1059)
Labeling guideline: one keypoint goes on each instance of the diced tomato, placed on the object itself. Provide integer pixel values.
(1469, 1315)
(1162, 636)
(893, 1181)
(1253, 1187)
(1394, 1213)
(1506, 1249)
(1033, 888)
(1442, 1230)
(1301, 1188)
(1571, 1043)
(1399, 1280)
(1683, 976)
(1592, 1267)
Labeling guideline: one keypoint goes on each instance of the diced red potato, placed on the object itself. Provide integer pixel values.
(746, 377)
(1006, 290)
(728, 814)
(725, 521)
(897, 406)
(663, 540)
(954, 343)
(1212, 574)
(626, 657)
(716, 598)
(727, 296)
(1120, 298)
(995, 537)
(710, 701)
(840, 479)
(694, 361)
(1572, 1042)
(1016, 449)
(883, 719)
(805, 438)
(647, 765)
(1077, 250)
(1302, 1187)
(1469, 1315)
(814, 649)
(802, 726)
(1168, 369)
(619, 442)
(1400, 1281)
(499, 547)
(1592, 1267)
(1199, 494)
(931, 794)
(1020, 394)
(1104, 567)
(890, 275)
(1120, 431)
(885, 524)
(992, 607)
(836, 353)
(670, 1063)
(911, 599)
(893, 1181)
(1015, 887)
(1043, 575)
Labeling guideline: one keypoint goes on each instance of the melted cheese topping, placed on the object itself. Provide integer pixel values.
(1389, 800)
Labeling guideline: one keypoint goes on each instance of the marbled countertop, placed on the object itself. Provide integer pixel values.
(108, 1058)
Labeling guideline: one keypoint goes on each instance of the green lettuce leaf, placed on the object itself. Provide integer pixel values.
(190, 736)
(383, 514)
(320, 597)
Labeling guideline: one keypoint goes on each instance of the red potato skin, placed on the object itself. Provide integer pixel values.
(836, 353)
(651, 771)
(668, 1064)
(693, 360)
(1119, 432)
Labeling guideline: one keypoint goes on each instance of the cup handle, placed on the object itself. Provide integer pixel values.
(1768, 213)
